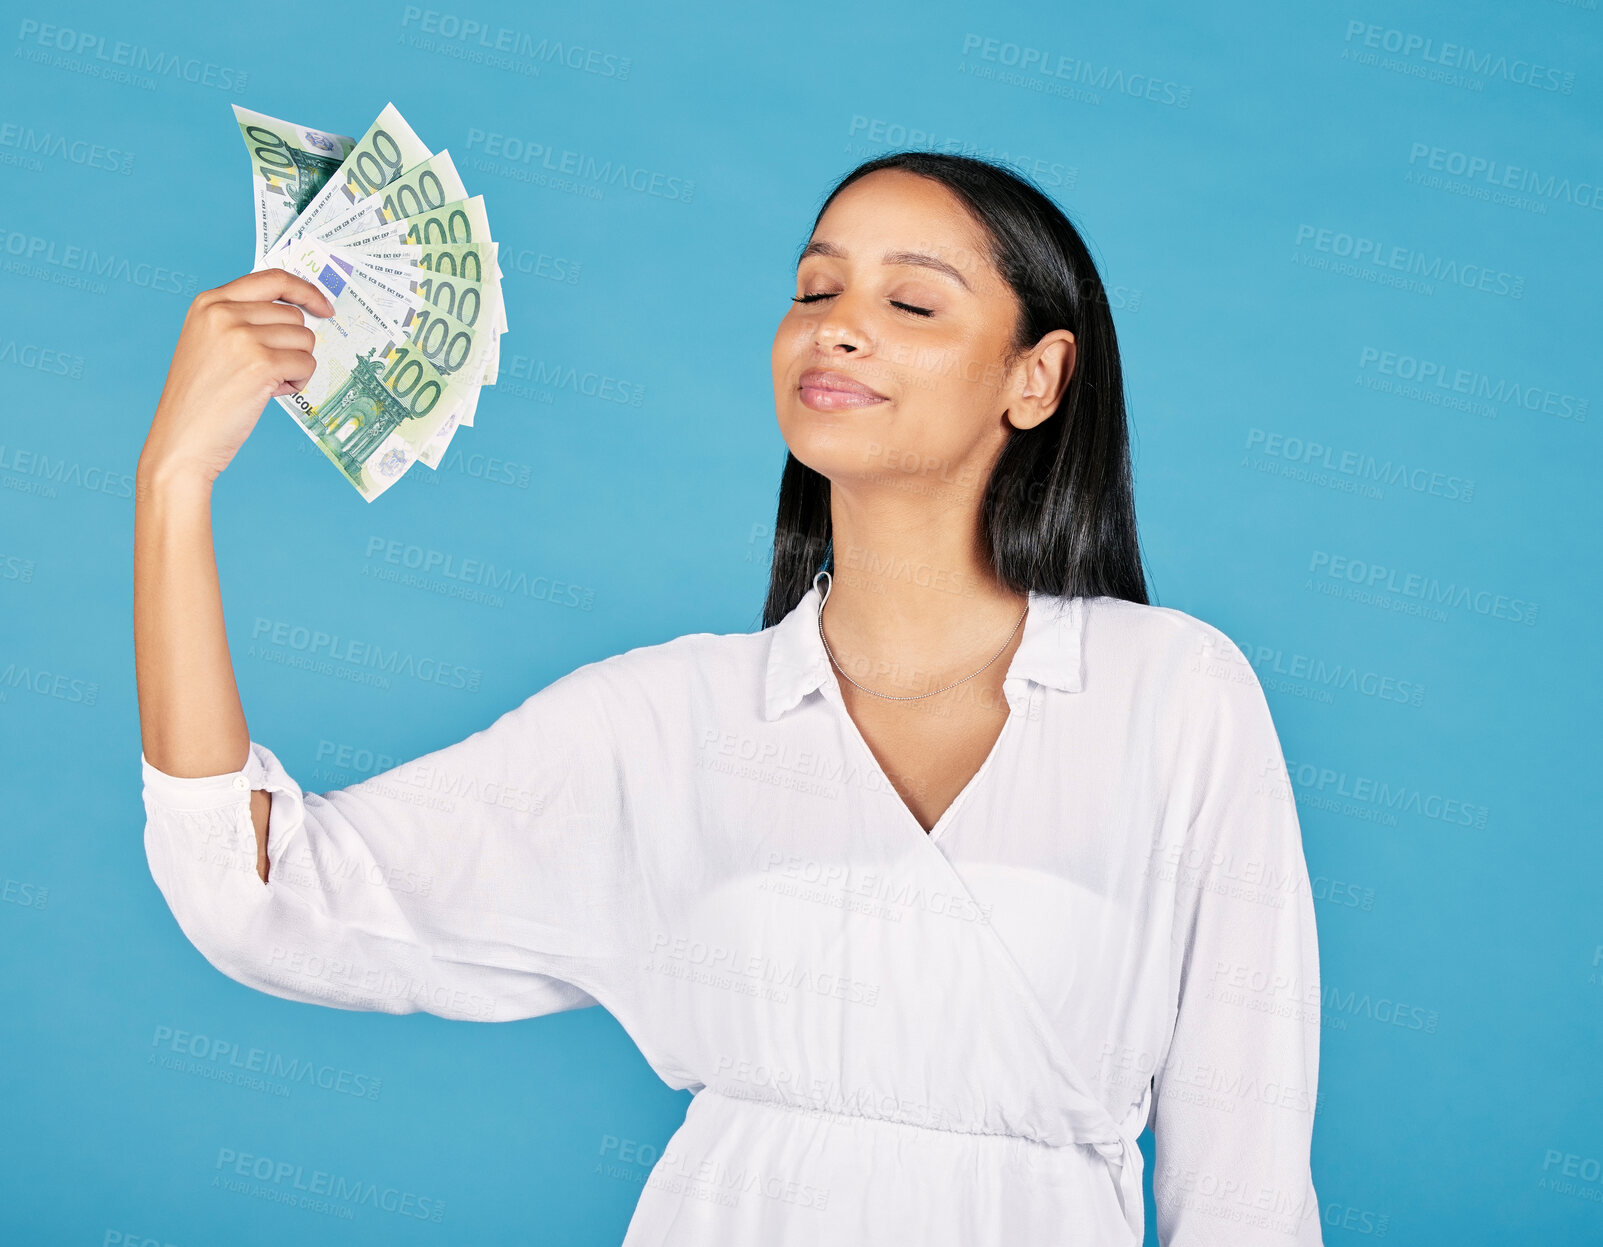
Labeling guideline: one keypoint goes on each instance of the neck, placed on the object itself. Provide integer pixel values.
(913, 602)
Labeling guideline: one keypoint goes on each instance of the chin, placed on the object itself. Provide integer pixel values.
(840, 445)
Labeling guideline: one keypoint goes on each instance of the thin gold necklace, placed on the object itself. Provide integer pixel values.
(911, 696)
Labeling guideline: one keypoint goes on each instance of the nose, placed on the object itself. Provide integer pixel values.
(838, 328)
(828, 340)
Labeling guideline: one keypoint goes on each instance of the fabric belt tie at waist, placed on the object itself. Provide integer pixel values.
(1125, 1153)
(1121, 1151)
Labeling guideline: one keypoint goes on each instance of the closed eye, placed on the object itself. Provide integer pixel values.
(906, 307)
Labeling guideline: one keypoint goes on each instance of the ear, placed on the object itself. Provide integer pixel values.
(1042, 375)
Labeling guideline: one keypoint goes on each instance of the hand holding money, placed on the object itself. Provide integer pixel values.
(241, 344)
(386, 230)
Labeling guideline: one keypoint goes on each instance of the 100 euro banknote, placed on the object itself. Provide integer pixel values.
(289, 164)
(374, 402)
(390, 233)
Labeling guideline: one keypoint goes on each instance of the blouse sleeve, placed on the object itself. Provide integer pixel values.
(1234, 1096)
(489, 880)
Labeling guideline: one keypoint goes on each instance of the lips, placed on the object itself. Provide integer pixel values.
(826, 390)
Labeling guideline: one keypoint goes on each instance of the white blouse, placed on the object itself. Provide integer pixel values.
(945, 1038)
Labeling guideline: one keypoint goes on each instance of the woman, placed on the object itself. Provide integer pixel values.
(935, 896)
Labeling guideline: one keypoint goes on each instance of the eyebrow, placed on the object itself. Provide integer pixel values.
(817, 247)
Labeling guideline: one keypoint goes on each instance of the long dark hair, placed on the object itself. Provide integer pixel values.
(1059, 509)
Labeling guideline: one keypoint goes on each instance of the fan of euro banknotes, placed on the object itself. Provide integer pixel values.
(386, 229)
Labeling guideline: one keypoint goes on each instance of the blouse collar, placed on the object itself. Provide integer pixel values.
(1049, 654)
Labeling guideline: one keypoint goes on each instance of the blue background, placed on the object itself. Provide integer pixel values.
(1224, 211)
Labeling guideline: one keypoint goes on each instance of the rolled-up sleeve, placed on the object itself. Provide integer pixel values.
(1234, 1096)
(488, 880)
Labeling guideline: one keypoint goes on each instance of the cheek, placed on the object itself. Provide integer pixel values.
(957, 365)
(951, 380)
(790, 344)
(791, 335)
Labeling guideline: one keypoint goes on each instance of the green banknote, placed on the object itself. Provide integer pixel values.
(453, 346)
(476, 304)
(387, 150)
(472, 302)
(453, 278)
(462, 278)
(456, 349)
(460, 221)
(289, 164)
(386, 228)
(422, 188)
(374, 401)
(450, 264)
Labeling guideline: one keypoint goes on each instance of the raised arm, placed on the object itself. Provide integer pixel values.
(241, 345)
(490, 879)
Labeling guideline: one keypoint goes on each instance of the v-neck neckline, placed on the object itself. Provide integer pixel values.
(832, 689)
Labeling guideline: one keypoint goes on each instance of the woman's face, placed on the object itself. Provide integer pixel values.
(894, 371)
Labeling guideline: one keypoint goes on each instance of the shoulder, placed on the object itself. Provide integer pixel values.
(1198, 698)
(672, 673)
(1182, 674)
(1141, 636)
(615, 706)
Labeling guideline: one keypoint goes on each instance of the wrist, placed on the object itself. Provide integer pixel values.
(165, 475)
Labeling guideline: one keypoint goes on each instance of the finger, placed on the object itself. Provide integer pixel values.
(296, 337)
(257, 313)
(275, 283)
(295, 368)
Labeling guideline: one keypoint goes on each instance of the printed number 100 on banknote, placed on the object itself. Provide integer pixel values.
(398, 371)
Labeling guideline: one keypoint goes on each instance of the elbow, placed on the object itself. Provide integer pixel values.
(207, 873)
